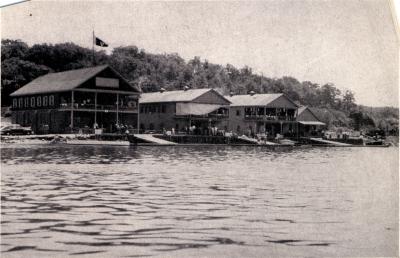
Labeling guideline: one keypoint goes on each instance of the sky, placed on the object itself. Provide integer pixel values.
(350, 43)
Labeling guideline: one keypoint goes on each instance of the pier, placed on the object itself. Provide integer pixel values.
(255, 141)
(151, 139)
(320, 140)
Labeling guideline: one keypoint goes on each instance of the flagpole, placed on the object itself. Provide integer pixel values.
(93, 61)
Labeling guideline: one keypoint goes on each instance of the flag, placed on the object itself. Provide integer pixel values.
(101, 43)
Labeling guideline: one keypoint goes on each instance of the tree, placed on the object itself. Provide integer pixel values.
(361, 120)
(16, 73)
(61, 57)
(348, 101)
(328, 95)
(309, 93)
(13, 49)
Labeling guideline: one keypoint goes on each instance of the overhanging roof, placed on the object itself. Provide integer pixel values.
(256, 99)
(62, 81)
(302, 109)
(195, 109)
(173, 96)
(311, 123)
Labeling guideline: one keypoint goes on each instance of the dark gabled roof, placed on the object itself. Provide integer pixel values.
(256, 99)
(174, 96)
(62, 81)
(304, 108)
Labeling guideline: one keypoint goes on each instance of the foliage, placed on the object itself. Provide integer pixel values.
(385, 118)
(332, 117)
(361, 120)
(21, 64)
(16, 73)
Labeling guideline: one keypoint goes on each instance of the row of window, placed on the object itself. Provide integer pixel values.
(267, 111)
(39, 101)
(153, 108)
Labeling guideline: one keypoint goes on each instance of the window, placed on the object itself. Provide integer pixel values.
(51, 100)
(20, 102)
(32, 101)
(238, 112)
(163, 109)
(15, 103)
(39, 101)
(26, 102)
(45, 99)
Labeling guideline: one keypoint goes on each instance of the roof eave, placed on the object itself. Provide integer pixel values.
(15, 94)
(166, 101)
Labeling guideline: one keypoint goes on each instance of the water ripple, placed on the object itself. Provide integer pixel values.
(184, 201)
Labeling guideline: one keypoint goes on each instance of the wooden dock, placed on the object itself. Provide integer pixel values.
(255, 141)
(319, 140)
(97, 142)
(151, 139)
(175, 140)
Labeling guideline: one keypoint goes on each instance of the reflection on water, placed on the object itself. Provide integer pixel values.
(203, 201)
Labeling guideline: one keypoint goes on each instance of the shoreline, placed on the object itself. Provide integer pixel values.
(77, 140)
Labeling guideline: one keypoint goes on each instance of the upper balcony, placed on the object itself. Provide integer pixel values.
(213, 112)
(205, 116)
(98, 107)
(102, 102)
(267, 118)
(269, 114)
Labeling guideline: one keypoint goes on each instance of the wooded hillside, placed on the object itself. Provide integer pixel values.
(22, 63)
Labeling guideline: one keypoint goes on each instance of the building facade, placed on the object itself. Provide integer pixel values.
(262, 113)
(309, 124)
(77, 100)
(181, 109)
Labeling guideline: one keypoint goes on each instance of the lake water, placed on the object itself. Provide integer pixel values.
(198, 202)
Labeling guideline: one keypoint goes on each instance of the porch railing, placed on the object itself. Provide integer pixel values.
(214, 116)
(269, 118)
(99, 107)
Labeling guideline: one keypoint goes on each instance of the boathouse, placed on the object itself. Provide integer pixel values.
(182, 109)
(77, 100)
(262, 113)
(309, 124)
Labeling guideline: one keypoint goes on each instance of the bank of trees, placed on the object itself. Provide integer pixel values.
(22, 63)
